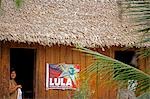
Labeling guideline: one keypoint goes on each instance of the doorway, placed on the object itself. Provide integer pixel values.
(127, 57)
(23, 61)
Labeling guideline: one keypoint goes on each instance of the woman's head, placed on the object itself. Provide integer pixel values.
(12, 74)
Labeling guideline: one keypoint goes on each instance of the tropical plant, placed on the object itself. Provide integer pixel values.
(18, 3)
(145, 96)
(139, 12)
(112, 70)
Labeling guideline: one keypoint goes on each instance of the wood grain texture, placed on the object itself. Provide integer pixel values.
(5, 70)
(54, 55)
(148, 65)
(41, 73)
(1, 72)
(62, 59)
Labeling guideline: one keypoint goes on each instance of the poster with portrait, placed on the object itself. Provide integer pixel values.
(62, 76)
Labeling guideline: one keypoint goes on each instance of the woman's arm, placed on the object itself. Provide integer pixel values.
(11, 90)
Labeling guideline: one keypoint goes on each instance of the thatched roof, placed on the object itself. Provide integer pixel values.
(88, 23)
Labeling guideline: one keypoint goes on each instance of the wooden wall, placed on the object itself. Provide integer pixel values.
(62, 54)
(66, 54)
(4, 71)
(147, 65)
(53, 55)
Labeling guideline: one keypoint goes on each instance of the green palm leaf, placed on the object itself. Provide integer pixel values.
(18, 3)
(140, 11)
(111, 70)
(144, 96)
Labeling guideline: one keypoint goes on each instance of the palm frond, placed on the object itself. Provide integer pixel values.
(18, 3)
(83, 93)
(144, 96)
(139, 10)
(0, 3)
(144, 52)
(111, 70)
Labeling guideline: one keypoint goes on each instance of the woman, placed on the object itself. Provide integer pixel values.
(13, 87)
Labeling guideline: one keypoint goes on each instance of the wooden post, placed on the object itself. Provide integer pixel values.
(5, 71)
(1, 71)
(40, 73)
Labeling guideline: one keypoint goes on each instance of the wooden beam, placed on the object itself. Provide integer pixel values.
(5, 70)
(40, 77)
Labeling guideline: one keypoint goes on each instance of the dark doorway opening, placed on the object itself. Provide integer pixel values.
(126, 57)
(23, 61)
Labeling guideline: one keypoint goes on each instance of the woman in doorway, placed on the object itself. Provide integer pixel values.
(13, 87)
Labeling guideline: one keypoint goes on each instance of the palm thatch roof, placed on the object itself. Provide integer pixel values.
(87, 23)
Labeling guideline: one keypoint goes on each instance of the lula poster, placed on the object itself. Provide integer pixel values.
(62, 76)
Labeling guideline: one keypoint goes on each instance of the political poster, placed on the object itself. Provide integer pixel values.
(62, 76)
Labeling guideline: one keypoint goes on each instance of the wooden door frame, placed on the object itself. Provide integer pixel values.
(8, 46)
(5, 70)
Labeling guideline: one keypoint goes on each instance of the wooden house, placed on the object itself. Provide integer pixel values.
(45, 31)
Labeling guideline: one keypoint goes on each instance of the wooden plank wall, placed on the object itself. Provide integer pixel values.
(144, 64)
(40, 73)
(55, 55)
(148, 65)
(66, 54)
(4, 70)
(61, 54)
(105, 91)
(1, 69)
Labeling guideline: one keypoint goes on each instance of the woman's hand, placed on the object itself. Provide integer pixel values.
(19, 86)
(11, 90)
